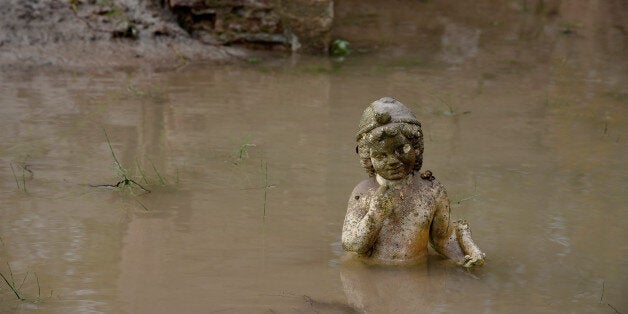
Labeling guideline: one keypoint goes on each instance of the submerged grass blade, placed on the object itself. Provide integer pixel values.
(24, 178)
(17, 293)
(244, 150)
(137, 162)
(161, 179)
(144, 206)
(23, 281)
(466, 198)
(14, 176)
(11, 284)
(9, 280)
(38, 287)
(265, 187)
(11, 274)
(115, 159)
(139, 185)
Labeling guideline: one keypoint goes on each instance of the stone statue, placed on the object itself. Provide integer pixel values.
(393, 215)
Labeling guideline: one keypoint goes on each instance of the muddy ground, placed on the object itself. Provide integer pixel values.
(98, 33)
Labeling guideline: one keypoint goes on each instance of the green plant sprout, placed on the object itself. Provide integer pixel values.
(340, 48)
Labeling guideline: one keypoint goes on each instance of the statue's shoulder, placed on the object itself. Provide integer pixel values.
(365, 186)
(428, 181)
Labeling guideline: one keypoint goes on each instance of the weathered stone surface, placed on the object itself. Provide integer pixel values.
(393, 215)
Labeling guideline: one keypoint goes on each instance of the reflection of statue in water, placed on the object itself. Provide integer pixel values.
(384, 289)
(394, 214)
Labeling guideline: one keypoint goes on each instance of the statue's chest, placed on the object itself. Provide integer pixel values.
(410, 216)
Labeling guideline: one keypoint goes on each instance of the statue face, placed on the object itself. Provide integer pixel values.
(393, 157)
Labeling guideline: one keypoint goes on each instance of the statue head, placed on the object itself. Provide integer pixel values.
(390, 140)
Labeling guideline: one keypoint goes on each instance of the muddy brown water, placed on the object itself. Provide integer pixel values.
(250, 166)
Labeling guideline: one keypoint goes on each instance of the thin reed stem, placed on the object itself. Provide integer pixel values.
(14, 176)
(265, 187)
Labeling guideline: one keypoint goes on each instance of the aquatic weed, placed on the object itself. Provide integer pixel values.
(126, 180)
(160, 177)
(14, 176)
(242, 152)
(447, 101)
(11, 284)
(139, 168)
(24, 167)
(162, 180)
(130, 180)
(17, 289)
(244, 170)
(464, 199)
(602, 300)
(470, 197)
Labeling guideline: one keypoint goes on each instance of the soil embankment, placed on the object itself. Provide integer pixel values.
(171, 32)
(49, 32)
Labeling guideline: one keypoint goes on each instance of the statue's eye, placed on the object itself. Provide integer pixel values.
(378, 156)
(403, 149)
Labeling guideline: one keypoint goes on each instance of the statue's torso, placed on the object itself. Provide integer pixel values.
(405, 232)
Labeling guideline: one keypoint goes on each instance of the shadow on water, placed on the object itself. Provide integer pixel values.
(523, 106)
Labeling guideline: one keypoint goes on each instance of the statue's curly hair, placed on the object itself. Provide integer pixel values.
(412, 132)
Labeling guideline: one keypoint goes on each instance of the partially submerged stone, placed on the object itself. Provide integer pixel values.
(393, 215)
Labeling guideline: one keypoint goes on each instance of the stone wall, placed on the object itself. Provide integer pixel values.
(298, 25)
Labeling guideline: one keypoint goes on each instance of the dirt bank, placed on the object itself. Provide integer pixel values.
(162, 32)
(98, 33)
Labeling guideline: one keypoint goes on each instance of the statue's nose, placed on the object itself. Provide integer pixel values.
(392, 160)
